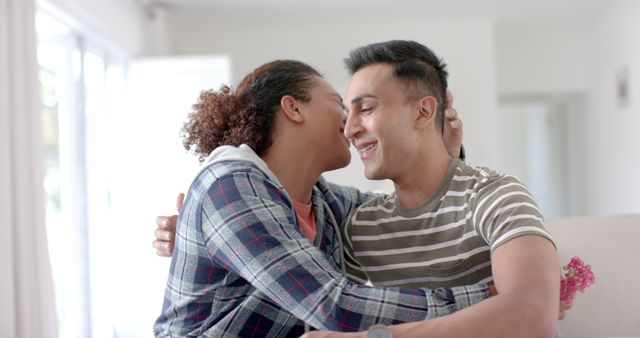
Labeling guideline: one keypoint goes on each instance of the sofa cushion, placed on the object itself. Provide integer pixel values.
(611, 306)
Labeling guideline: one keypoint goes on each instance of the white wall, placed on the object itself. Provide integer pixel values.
(611, 133)
(566, 57)
(579, 61)
(251, 37)
(543, 58)
(121, 23)
(534, 148)
(544, 62)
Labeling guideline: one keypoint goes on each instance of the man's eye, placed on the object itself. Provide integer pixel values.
(366, 110)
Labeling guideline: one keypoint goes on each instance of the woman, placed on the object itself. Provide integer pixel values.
(257, 250)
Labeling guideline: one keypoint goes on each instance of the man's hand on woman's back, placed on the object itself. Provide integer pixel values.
(166, 231)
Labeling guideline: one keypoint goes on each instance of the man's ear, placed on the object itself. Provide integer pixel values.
(427, 111)
(291, 109)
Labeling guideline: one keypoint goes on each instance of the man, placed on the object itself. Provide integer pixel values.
(447, 223)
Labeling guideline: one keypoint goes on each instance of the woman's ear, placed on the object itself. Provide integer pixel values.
(291, 109)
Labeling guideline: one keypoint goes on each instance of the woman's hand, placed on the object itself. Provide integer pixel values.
(452, 132)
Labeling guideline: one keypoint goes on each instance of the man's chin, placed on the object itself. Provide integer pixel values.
(372, 175)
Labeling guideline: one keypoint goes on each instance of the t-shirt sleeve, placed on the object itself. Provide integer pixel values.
(504, 209)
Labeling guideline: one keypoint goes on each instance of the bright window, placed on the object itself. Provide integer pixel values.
(114, 161)
(81, 81)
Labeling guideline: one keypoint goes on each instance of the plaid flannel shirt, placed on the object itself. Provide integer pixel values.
(242, 268)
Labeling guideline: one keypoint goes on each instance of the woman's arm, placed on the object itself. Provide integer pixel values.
(248, 227)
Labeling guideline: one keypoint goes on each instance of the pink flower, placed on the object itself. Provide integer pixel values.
(578, 277)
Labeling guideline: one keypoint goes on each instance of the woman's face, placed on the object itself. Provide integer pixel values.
(326, 115)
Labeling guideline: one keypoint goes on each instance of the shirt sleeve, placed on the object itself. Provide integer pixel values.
(248, 227)
(504, 209)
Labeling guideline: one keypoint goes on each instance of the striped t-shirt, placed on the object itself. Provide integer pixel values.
(446, 241)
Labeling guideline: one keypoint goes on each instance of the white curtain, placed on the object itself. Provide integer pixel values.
(27, 307)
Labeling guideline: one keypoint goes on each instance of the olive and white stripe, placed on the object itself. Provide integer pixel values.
(446, 241)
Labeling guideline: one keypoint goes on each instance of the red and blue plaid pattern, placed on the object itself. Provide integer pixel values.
(242, 268)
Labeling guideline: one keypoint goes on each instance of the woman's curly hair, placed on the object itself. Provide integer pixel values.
(246, 115)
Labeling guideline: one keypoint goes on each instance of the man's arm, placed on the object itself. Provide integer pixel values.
(524, 266)
(525, 272)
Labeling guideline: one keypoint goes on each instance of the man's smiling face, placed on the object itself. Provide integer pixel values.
(380, 122)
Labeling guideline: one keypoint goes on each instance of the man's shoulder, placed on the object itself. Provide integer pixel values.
(376, 206)
(477, 171)
(480, 177)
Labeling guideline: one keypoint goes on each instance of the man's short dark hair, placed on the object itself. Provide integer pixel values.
(421, 70)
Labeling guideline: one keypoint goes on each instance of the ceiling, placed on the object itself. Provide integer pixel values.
(502, 10)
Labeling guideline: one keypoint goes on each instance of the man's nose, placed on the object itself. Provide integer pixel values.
(352, 126)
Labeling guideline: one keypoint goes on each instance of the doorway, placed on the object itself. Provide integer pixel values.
(535, 143)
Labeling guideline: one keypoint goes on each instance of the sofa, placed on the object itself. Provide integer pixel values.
(611, 306)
